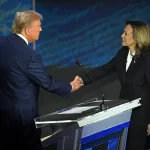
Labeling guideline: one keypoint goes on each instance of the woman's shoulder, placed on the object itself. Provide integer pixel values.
(123, 51)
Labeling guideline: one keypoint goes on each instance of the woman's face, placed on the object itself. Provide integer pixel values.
(127, 37)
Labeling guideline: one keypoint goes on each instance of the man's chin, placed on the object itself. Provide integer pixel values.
(37, 38)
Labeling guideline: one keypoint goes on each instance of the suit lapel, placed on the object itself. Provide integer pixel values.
(121, 62)
(125, 60)
(131, 65)
(134, 66)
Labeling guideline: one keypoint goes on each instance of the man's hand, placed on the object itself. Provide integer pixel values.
(76, 83)
(148, 129)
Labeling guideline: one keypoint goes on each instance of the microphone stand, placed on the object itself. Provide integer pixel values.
(102, 106)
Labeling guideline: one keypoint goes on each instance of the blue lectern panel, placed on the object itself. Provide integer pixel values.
(104, 140)
(110, 145)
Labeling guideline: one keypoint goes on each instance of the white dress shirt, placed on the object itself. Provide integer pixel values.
(129, 59)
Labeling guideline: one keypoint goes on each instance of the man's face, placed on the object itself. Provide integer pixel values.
(127, 37)
(34, 31)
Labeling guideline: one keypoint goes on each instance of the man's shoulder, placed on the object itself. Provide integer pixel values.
(2, 39)
(12, 43)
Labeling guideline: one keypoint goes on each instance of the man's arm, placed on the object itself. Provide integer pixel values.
(37, 73)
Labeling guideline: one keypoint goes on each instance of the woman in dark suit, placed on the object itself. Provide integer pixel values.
(132, 64)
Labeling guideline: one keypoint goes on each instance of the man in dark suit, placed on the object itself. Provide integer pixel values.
(21, 76)
(132, 65)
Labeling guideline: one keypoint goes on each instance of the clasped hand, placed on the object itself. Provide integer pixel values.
(148, 130)
(76, 83)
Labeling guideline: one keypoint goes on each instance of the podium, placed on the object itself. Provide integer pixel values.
(85, 127)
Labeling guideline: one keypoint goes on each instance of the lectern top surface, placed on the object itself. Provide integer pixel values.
(75, 112)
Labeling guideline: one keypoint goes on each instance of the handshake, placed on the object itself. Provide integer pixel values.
(76, 83)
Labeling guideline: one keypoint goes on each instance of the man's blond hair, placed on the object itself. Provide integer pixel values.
(24, 19)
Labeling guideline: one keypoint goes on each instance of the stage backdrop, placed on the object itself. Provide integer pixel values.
(88, 30)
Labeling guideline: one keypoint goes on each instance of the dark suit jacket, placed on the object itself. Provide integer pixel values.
(135, 82)
(21, 75)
